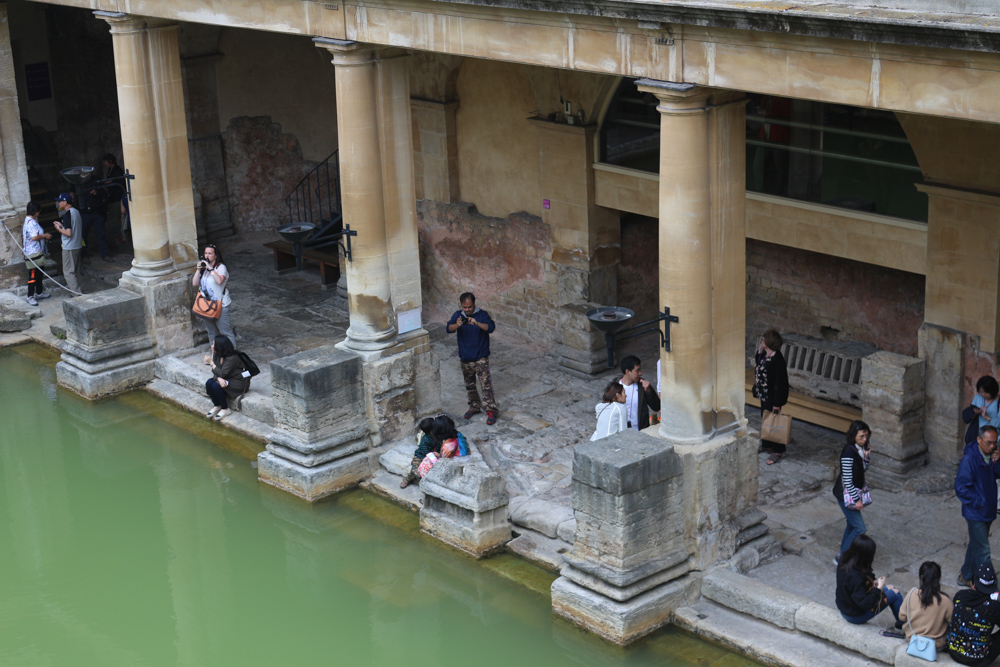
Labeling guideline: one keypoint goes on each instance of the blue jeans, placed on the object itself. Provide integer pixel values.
(894, 598)
(855, 526)
(978, 551)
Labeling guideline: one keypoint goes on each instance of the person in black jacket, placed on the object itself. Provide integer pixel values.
(771, 385)
(860, 596)
(971, 640)
(639, 395)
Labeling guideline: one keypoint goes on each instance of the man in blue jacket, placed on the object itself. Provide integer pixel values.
(976, 487)
(474, 327)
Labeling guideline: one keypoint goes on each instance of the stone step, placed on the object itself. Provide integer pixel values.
(386, 484)
(763, 641)
(752, 597)
(544, 551)
(545, 517)
(199, 404)
(256, 404)
(397, 459)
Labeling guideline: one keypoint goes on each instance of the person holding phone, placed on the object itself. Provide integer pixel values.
(770, 385)
(976, 488)
(70, 225)
(850, 489)
(211, 277)
(984, 409)
(860, 596)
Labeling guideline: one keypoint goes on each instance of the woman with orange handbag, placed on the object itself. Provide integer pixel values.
(771, 385)
(211, 279)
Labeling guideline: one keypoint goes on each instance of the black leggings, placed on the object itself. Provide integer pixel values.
(35, 282)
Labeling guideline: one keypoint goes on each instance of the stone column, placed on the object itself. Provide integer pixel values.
(369, 283)
(892, 403)
(154, 147)
(702, 281)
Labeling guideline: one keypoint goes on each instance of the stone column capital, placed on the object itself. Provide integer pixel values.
(125, 24)
(347, 53)
(677, 98)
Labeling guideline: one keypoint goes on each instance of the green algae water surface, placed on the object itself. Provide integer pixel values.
(137, 534)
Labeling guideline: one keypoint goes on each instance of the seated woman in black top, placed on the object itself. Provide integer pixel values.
(860, 596)
(227, 382)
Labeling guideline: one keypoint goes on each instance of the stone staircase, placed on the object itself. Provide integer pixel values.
(781, 628)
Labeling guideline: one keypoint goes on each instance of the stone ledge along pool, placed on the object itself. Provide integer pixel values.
(134, 533)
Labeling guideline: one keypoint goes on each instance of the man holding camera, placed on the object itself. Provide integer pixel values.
(474, 327)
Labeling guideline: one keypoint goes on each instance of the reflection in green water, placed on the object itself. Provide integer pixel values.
(136, 534)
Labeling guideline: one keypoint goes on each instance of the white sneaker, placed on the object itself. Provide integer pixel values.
(211, 413)
(31, 301)
(222, 415)
(43, 295)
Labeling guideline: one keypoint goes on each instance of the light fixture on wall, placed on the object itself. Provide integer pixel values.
(611, 319)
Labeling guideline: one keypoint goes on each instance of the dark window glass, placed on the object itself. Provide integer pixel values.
(831, 154)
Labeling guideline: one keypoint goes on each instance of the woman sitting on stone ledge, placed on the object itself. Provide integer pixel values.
(926, 610)
(860, 596)
(227, 383)
(610, 411)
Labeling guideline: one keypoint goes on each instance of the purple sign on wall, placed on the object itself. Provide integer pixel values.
(37, 81)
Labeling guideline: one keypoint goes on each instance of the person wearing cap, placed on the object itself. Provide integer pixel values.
(70, 225)
(976, 487)
(977, 612)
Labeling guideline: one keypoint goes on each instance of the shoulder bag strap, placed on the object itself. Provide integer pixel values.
(908, 611)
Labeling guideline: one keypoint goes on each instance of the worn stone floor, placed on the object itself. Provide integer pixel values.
(545, 412)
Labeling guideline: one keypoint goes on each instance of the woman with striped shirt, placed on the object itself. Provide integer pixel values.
(850, 485)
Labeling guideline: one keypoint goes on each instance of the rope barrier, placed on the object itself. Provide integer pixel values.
(58, 284)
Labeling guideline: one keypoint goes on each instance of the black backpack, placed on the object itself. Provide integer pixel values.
(248, 363)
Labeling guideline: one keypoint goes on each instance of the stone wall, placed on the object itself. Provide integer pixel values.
(835, 299)
(638, 274)
(262, 165)
(505, 262)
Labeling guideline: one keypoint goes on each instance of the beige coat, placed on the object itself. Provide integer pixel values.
(929, 621)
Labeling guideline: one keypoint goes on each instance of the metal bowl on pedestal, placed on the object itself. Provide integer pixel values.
(77, 175)
(295, 233)
(610, 319)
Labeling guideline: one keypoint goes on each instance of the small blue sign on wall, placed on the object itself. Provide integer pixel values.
(37, 81)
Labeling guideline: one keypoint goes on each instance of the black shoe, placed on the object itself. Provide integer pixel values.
(899, 625)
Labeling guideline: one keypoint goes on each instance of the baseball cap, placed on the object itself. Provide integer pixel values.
(64, 196)
(986, 578)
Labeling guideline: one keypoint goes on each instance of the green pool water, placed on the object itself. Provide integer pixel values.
(133, 533)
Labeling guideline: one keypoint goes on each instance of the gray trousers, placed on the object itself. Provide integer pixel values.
(220, 327)
(70, 265)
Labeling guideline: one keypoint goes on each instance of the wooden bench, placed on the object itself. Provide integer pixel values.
(813, 410)
(284, 260)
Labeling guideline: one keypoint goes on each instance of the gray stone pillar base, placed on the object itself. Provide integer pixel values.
(465, 506)
(621, 622)
(720, 496)
(581, 349)
(892, 404)
(313, 483)
(107, 348)
(321, 439)
(168, 302)
(943, 353)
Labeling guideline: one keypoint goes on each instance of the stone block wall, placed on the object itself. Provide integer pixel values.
(831, 298)
(892, 403)
(505, 262)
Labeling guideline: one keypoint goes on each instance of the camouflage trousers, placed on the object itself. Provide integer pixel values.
(414, 476)
(479, 369)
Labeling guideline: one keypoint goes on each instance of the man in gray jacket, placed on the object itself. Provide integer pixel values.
(70, 225)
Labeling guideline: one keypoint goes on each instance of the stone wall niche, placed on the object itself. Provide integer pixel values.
(465, 506)
(892, 403)
(625, 574)
(107, 348)
(321, 436)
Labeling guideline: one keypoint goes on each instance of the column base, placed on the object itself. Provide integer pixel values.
(104, 383)
(616, 621)
(168, 307)
(313, 483)
(465, 506)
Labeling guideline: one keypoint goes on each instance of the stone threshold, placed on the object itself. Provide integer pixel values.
(781, 628)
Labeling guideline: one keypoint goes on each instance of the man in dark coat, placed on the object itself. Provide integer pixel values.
(640, 397)
(976, 487)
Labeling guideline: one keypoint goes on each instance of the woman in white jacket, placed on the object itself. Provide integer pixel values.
(611, 416)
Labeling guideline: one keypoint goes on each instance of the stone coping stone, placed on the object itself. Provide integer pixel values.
(752, 597)
(625, 462)
(317, 372)
(826, 623)
(466, 485)
(761, 640)
(386, 484)
(543, 516)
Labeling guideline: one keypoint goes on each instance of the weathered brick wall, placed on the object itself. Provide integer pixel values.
(831, 298)
(638, 273)
(505, 262)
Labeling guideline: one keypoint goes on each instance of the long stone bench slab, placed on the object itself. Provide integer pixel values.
(752, 597)
(827, 414)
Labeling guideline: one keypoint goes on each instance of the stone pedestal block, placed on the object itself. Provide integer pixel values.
(390, 396)
(892, 403)
(321, 435)
(582, 348)
(629, 545)
(943, 353)
(465, 506)
(167, 301)
(107, 348)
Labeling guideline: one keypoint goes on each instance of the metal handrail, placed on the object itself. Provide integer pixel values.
(316, 199)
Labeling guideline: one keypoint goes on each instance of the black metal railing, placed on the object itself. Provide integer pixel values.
(316, 199)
